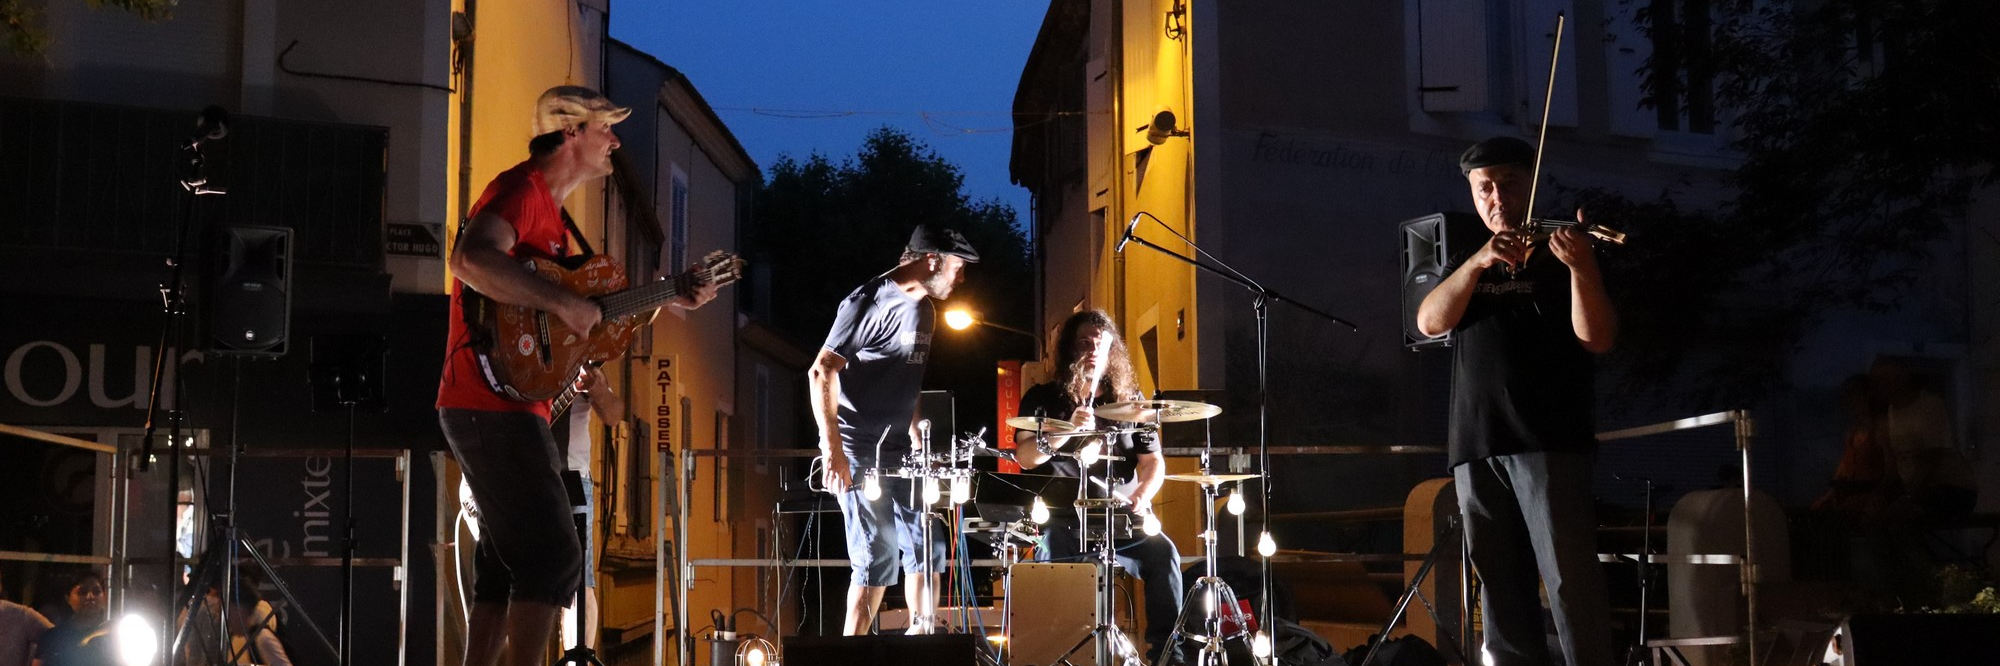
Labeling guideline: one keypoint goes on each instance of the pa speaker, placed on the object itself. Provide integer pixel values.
(249, 305)
(1432, 245)
(1920, 639)
(885, 650)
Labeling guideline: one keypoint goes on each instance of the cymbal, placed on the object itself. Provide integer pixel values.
(1040, 424)
(1211, 479)
(1157, 411)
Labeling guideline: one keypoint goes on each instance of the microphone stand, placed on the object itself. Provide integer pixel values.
(173, 303)
(1262, 305)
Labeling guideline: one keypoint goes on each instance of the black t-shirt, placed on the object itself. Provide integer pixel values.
(1521, 381)
(1049, 400)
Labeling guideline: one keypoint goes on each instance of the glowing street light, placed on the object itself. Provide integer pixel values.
(959, 319)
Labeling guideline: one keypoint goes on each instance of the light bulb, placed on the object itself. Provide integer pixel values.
(961, 489)
(754, 657)
(1260, 645)
(1150, 524)
(1266, 545)
(931, 492)
(871, 488)
(959, 320)
(136, 641)
(1088, 456)
(1235, 503)
(1040, 512)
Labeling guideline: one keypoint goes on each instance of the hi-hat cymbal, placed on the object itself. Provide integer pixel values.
(1040, 424)
(1157, 411)
(1211, 479)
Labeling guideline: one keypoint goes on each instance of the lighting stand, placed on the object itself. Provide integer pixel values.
(1261, 304)
(218, 562)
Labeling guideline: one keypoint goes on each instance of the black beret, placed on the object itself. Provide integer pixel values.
(1495, 152)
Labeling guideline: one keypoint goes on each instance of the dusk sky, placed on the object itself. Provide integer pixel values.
(802, 76)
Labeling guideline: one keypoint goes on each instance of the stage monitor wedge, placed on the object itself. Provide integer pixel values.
(1431, 246)
(248, 310)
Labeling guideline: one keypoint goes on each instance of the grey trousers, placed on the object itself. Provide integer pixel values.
(1530, 520)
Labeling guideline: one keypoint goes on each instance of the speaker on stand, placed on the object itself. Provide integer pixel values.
(1432, 246)
(249, 291)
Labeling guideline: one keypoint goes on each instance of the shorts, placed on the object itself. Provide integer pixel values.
(878, 531)
(528, 550)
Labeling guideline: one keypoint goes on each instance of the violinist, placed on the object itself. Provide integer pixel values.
(1527, 319)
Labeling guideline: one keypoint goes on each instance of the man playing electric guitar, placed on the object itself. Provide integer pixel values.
(503, 445)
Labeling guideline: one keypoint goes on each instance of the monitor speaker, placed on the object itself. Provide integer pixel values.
(1432, 246)
(249, 290)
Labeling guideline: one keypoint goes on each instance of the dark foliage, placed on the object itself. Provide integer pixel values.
(1863, 126)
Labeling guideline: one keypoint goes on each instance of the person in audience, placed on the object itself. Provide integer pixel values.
(20, 628)
(84, 638)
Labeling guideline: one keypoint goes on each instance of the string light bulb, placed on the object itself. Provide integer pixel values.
(1150, 524)
(1235, 503)
(1040, 512)
(1260, 645)
(1088, 455)
(1266, 545)
(961, 489)
(931, 492)
(871, 488)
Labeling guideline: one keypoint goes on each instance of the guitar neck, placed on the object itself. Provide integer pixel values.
(646, 297)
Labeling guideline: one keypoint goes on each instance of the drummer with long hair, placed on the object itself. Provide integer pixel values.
(1094, 368)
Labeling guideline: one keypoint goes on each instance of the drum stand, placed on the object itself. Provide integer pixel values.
(1112, 646)
(1222, 617)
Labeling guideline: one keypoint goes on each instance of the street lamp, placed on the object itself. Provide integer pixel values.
(960, 319)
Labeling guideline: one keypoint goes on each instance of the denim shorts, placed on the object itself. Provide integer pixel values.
(528, 549)
(879, 531)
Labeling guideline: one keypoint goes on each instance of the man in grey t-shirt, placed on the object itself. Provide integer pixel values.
(864, 389)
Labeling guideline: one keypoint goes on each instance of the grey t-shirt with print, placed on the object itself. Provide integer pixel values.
(885, 337)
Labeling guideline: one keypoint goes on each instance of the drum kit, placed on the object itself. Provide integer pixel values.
(1221, 617)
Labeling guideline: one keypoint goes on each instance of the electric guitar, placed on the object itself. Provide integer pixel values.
(530, 355)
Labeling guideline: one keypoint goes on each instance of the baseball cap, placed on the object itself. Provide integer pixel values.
(941, 241)
(563, 107)
(1495, 152)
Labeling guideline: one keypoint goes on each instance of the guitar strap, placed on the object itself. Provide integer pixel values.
(576, 233)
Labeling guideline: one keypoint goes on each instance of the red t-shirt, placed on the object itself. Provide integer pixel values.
(520, 197)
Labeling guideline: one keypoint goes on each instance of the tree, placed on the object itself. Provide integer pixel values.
(22, 23)
(824, 228)
(1865, 127)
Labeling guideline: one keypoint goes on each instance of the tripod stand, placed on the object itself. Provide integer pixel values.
(217, 567)
(1452, 535)
(1222, 616)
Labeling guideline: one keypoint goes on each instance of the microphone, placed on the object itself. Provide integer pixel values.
(212, 124)
(1134, 226)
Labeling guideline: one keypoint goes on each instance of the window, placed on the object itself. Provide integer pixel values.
(677, 237)
(1659, 56)
(1481, 56)
(761, 420)
(1682, 75)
